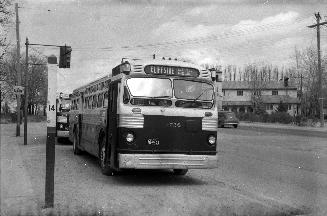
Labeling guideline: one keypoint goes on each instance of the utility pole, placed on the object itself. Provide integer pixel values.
(25, 93)
(19, 76)
(318, 17)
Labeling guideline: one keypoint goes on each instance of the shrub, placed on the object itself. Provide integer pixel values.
(301, 120)
(281, 117)
(249, 116)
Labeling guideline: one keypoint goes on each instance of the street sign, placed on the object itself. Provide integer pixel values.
(19, 90)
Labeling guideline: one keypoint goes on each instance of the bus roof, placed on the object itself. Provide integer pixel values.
(147, 66)
(162, 67)
(95, 82)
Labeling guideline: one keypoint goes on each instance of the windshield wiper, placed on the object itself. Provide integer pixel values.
(201, 94)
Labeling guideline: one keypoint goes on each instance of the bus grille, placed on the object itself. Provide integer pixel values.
(209, 124)
(131, 121)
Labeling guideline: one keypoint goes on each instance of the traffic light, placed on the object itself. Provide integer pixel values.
(65, 53)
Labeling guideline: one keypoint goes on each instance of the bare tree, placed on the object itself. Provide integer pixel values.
(307, 66)
(257, 78)
(5, 20)
(37, 82)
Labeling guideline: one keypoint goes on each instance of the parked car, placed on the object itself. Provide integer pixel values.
(227, 118)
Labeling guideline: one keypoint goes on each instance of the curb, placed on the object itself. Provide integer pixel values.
(280, 126)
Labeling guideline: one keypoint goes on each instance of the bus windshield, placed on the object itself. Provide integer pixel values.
(191, 90)
(65, 105)
(150, 87)
(159, 92)
(193, 94)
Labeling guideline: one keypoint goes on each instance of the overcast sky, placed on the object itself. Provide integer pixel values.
(101, 32)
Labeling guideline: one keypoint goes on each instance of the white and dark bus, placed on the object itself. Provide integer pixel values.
(151, 114)
(63, 104)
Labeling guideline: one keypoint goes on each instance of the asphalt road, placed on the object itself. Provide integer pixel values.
(261, 172)
(285, 165)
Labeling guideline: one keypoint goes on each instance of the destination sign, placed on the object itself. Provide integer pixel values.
(171, 70)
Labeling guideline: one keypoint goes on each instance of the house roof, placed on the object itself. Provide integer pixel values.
(243, 85)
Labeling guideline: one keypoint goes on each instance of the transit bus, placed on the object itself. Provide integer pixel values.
(63, 107)
(149, 114)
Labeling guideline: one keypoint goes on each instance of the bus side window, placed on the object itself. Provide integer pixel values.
(95, 101)
(126, 96)
(89, 103)
(105, 101)
(85, 103)
(77, 104)
(100, 100)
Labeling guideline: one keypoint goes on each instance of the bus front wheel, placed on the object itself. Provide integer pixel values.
(180, 171)
(103, 154)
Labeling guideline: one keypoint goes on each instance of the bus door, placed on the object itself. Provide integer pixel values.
(112, 129)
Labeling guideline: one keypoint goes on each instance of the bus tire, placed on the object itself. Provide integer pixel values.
(103, 154)
(180, 171)
(76, 150)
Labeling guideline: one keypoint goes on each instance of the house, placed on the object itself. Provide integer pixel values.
(238, 96)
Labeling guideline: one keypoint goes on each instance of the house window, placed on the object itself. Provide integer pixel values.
(274, 92)
(257, 93)
(289, 107)
(239, 93)
(224, 92)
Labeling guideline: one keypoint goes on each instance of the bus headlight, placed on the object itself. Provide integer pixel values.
(130, 137)
(211, 140)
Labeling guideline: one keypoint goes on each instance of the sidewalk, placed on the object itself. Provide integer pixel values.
(284, 126)
(17, 195)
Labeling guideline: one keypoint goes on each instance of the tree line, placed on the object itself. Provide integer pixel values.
(301, 73)
(37, 70)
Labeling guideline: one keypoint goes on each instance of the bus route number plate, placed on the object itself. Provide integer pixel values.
(153, 141)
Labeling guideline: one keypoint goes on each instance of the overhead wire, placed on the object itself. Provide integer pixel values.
(186, 41)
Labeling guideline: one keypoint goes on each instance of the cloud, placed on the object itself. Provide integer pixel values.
(279, 19)
(178, 29)
(202, 10)
(200, 56)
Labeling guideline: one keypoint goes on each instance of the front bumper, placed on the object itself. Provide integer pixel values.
(62, 133)
(167, 161)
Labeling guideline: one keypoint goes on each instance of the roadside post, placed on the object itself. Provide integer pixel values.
(26, 94)
(51, 131)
